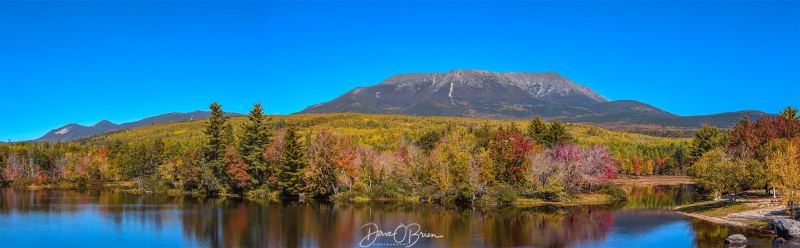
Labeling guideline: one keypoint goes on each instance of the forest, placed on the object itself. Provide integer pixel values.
(359, 157)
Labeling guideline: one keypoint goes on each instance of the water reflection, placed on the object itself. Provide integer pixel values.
(661, 197)
(107, 218)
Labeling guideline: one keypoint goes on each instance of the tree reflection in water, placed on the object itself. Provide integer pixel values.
(213, 222)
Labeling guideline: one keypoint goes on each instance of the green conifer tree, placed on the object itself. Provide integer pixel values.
(214, 133)
(293, 163)
(706, 139)
(557, 134)
(789, 113)
(254, 139)
(538, 130)
(219, 135)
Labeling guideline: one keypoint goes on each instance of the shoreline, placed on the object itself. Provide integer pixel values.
(718, 220)
(626, 180)
(593, 198)
(764, 214)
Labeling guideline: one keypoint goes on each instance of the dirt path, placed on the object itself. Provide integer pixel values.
(764, 214)
(717, 220)
(740, 219)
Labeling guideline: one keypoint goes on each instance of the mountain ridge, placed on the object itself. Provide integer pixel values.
(508, 95)
(74, 131)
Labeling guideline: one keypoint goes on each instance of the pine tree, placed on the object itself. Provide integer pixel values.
(557, 134)
(706, 139)
(789, 113)
(219, 134)
(254, 140)
(538, 130)
(214, 132)
(292, 164)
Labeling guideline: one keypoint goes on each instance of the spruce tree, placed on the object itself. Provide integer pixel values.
(538, 130)
(214, 133)
(292, 164)
(557, 134)
(254, 139)
(789, 113)
(706, 139)
(219, 135)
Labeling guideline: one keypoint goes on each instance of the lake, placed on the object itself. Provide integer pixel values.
(103, 218)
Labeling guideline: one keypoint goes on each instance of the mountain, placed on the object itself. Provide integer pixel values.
(510, 95)
(470, 93)
(76, 131)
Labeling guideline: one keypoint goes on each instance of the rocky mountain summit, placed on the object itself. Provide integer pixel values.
(507, 95)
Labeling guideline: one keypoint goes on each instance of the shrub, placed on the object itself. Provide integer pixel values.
(504, 194)
(262, 192)
(613, 190)
(22, 183)
(352, 196)
(81, 182)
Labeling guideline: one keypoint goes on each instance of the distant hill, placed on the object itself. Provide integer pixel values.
(510, 95)
(75, 131)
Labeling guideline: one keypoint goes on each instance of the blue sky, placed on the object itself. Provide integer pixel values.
(85, 61)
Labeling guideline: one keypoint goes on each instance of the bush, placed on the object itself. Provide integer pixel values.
(22, 183)
(154, 185)
(385, 192)
(262, 192)
(613, 190)
(504, 194)
(352, 196)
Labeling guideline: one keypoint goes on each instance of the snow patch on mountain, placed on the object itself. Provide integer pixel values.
(64, 130)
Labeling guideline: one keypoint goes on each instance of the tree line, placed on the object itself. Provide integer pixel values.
(761, 154)
(456, 163)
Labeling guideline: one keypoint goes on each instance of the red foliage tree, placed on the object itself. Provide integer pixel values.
(189, 170)
(636, 160)
(236, 169)
(509, 149)
(584, 166)
(330, 156)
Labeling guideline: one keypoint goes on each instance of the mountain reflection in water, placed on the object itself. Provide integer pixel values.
(108, 218)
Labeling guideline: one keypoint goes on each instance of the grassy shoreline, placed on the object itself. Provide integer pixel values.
(756, 215)
(592, 198)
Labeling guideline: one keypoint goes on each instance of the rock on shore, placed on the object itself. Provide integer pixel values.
(787, 228)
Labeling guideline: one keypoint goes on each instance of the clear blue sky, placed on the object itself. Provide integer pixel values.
(85, 61)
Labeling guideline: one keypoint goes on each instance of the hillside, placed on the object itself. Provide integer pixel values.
(376, 131)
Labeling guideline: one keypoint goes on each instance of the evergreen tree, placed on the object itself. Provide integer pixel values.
(429, 140)
(789, 113)
(292, 164)
(227, 136)
(219, 134)
(744, 120)
(557, 134)
(706, 139)
(680, 158)
(215, 149)
(538, 130)
(254, 140)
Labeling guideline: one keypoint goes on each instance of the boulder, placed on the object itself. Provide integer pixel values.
(736, 239)
(786, 228)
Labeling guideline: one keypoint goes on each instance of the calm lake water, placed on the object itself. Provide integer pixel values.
(96, 218)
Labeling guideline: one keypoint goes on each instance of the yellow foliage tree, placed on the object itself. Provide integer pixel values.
(783, 165)
(720, 173)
